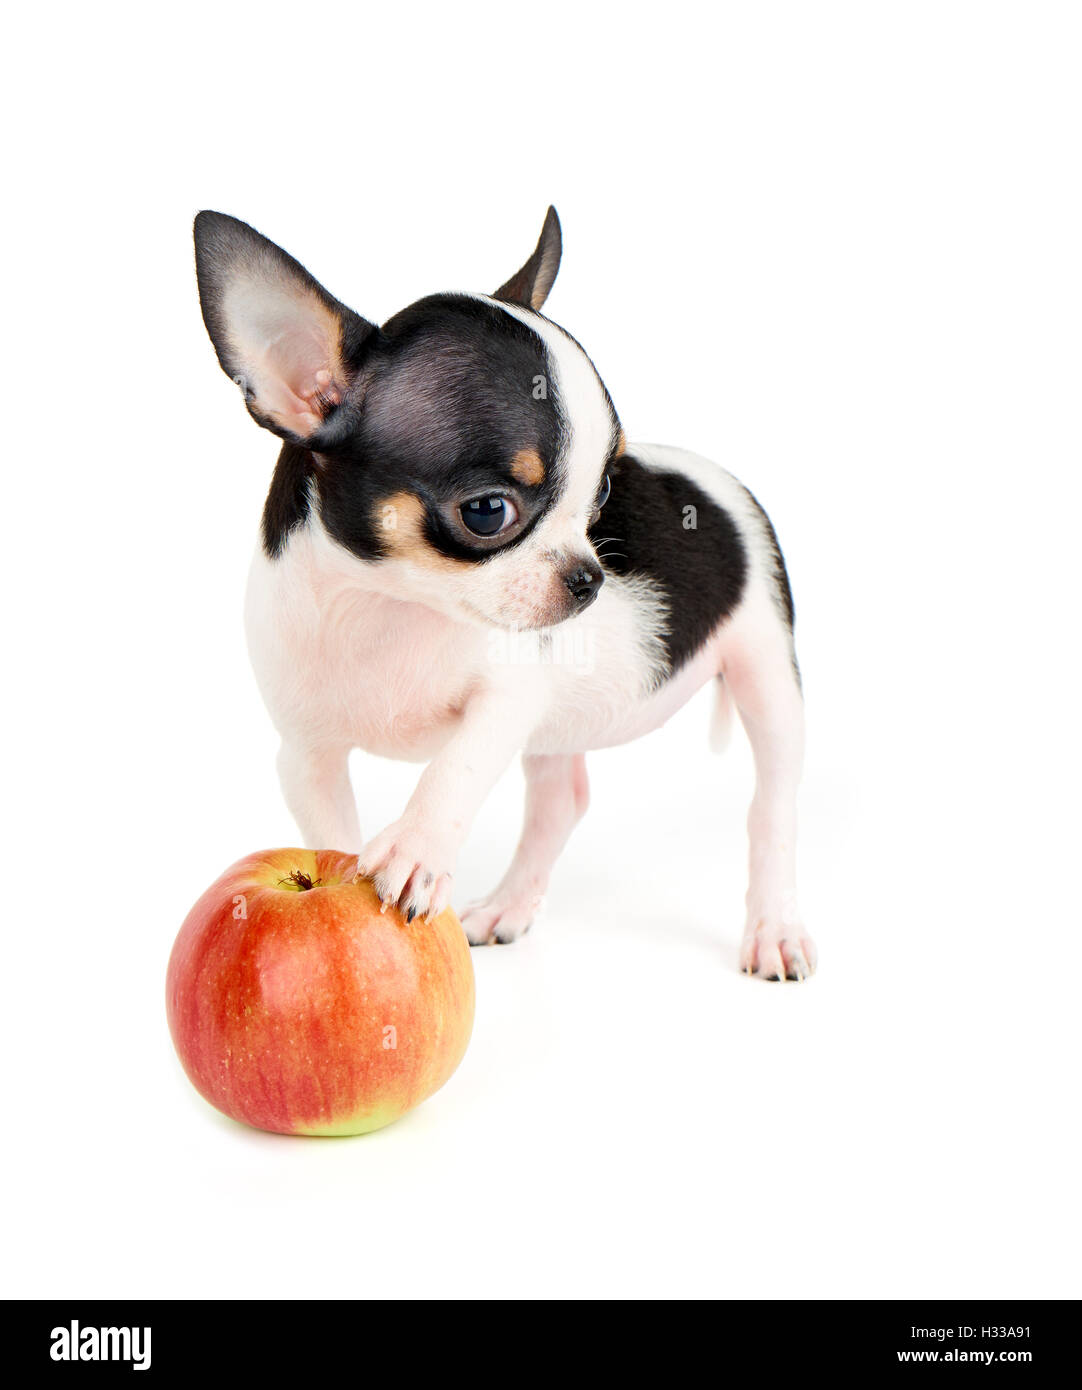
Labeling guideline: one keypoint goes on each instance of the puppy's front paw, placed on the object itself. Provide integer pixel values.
(410, 868)
(776, 950)
(502, 918)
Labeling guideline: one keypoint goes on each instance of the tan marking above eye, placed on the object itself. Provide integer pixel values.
(621, 445)
(527, 468)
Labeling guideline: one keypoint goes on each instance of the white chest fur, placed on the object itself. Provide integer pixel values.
(341, 663)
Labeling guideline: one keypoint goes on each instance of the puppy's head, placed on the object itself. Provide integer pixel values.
(459, 451)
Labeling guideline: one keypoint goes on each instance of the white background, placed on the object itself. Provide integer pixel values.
(836, 247)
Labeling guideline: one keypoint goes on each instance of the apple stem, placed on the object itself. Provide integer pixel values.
(303, 881)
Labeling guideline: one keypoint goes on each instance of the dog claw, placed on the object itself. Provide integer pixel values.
(398, 863)
(776, 952)
(498, 921)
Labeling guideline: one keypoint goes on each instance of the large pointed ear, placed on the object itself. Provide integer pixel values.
(530, 285)
(291, 347)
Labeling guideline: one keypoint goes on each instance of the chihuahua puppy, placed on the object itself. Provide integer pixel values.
(463, 559)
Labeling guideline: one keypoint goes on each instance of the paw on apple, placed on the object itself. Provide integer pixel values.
(299, 1004)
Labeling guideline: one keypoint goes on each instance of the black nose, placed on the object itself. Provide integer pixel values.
(584, 584)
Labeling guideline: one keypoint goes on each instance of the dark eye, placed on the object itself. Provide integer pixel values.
(603, 495)
(488, 516)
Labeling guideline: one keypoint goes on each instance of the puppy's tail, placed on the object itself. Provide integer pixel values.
(721, 720)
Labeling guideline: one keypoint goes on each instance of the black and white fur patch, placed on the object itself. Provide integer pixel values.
(660, 525)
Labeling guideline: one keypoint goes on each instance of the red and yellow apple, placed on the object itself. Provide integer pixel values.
(296, 1005)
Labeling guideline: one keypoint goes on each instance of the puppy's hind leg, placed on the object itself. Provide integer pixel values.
(557, 794)
(760, 671)
(317, 790)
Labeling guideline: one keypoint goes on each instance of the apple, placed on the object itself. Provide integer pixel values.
(298, 1005)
